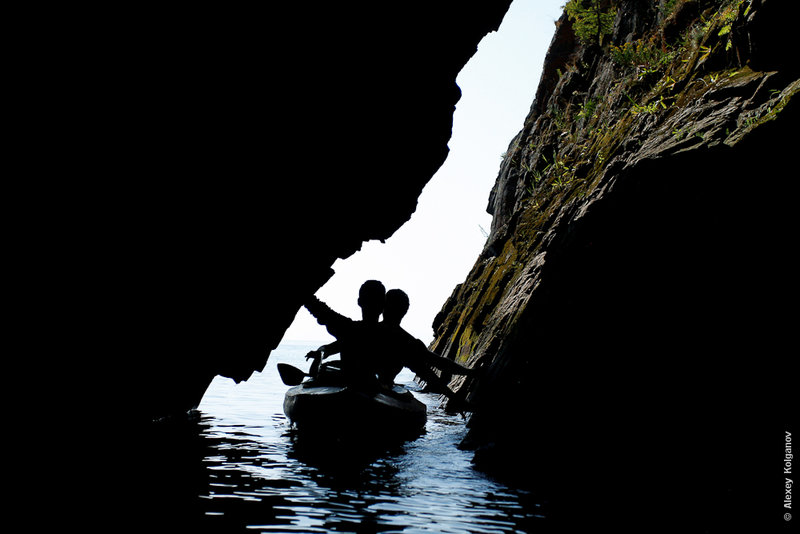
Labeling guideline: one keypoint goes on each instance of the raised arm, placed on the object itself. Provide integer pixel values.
(333, 321)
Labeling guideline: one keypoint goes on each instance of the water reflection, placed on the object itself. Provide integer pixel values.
(293, 485)
(233, 468)
(304, 488)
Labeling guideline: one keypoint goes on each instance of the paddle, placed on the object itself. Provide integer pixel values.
(290, 375)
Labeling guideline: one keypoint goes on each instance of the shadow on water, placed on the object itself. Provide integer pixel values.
(350, 461)
(354, 475)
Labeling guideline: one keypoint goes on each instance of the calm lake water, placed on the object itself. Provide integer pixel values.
(243, 468)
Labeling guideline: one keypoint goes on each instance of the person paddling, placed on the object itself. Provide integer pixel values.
(401, 349)
(356, 341)
(377, 352)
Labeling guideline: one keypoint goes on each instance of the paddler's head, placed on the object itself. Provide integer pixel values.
(371, 297)
(396, 306)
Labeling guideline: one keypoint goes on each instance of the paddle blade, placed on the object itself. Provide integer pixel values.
(290, 375)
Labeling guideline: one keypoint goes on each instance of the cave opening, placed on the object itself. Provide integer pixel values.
(434, 250)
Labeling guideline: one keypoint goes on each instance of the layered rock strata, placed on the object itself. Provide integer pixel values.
(630, 290)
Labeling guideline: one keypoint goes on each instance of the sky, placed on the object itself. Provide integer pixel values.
(435, 250)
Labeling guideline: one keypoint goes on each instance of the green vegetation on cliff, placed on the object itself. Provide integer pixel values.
(591, 19)
(680, 81)
(607, 103)
(642, 237)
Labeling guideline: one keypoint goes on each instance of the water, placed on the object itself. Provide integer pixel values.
(239, 466)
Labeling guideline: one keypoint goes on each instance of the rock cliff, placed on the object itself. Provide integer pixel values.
(628, 305)
(227, 157)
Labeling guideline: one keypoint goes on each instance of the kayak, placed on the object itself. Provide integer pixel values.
(321, 406)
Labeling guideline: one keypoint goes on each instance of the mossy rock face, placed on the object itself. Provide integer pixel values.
(642, 221)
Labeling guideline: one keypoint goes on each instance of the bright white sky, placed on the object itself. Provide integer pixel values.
(435, 250)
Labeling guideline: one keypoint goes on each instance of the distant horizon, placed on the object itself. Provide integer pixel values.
(303, 342)
(435, 250)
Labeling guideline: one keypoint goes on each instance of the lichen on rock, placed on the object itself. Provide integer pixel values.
(640, 232)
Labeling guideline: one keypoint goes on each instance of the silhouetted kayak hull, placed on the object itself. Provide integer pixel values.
(344, 409)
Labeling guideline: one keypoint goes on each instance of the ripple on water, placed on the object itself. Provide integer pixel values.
(256, 473)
